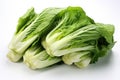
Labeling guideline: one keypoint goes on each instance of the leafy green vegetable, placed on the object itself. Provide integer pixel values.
(78, 39)
(60, 34)
(17, 46)
(36, 57)
(90, 45)
(63, 38)
(29, 29)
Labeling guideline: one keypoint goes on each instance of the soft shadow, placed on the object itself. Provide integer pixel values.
(103, 61)
(66, 70)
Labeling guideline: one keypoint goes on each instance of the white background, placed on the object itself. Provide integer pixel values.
(104, 11)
